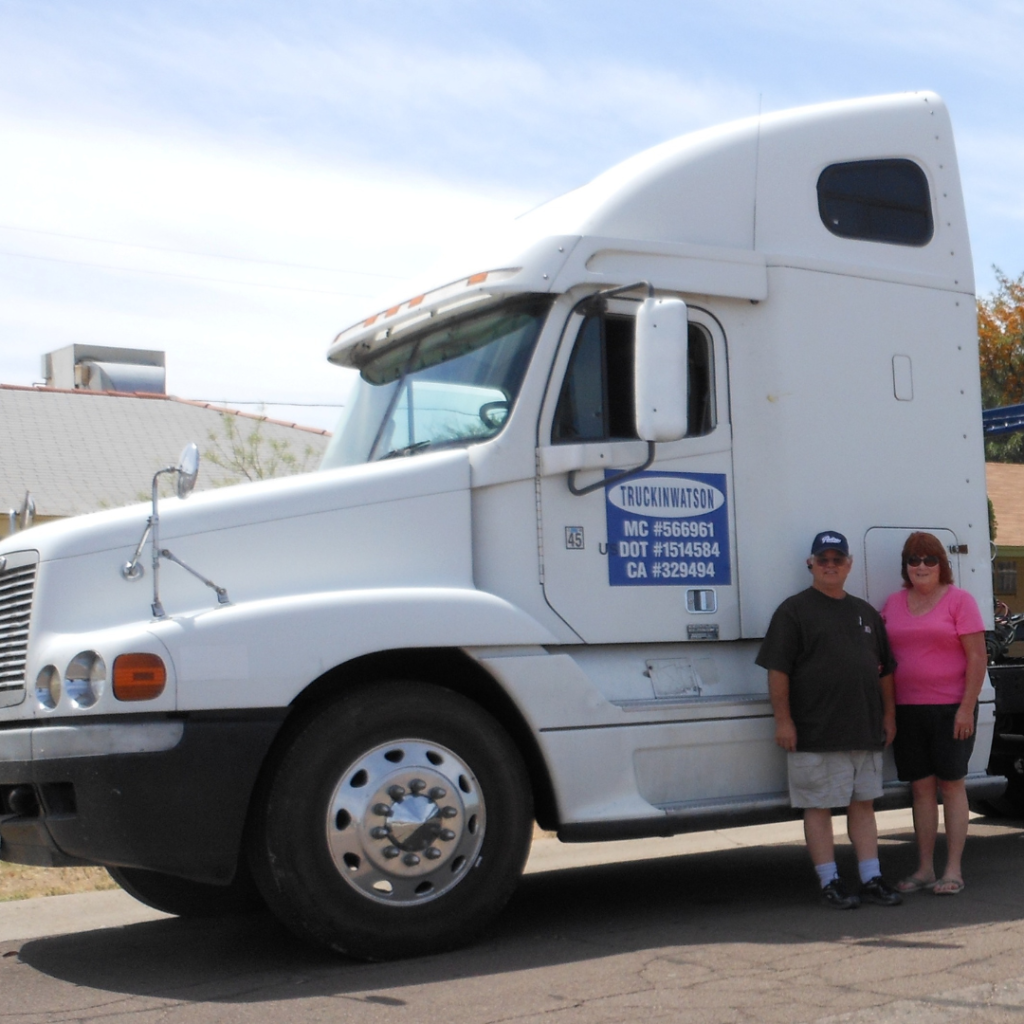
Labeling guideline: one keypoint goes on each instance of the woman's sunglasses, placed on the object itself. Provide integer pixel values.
(930, 560)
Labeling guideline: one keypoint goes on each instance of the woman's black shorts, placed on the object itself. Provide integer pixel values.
(924, 743)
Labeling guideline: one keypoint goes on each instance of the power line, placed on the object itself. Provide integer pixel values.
(205, 255)
(186, 277)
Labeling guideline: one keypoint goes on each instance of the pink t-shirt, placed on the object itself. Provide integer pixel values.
(931, 662)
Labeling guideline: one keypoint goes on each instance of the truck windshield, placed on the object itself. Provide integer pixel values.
(448, 384)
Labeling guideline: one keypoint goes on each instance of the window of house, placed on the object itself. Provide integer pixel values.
(597, 403)
(1004, 577)
(877, 201)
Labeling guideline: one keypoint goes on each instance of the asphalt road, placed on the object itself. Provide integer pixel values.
(717, 927)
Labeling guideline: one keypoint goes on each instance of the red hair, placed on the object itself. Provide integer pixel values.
(923, 544)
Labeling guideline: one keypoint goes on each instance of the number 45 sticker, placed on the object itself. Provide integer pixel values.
(574, 538)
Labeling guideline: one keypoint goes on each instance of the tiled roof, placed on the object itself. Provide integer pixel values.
(79, 451)
(1005, 482)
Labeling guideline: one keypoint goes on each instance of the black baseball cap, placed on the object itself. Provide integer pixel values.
(830, 540)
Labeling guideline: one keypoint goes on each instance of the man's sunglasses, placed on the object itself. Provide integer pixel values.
(930, 560)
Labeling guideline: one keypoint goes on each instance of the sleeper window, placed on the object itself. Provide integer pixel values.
(877, 201)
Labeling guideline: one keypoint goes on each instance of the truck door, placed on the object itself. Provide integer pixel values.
(649, 557)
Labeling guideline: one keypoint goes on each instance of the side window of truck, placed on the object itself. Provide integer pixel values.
(596, 401)
(876, 201)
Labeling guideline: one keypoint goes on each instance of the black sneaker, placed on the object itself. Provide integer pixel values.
(837, 896)
(876, 891)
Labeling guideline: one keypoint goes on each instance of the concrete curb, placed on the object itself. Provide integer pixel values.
(64, 915)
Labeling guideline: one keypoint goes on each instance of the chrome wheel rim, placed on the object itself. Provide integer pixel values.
(405, 822)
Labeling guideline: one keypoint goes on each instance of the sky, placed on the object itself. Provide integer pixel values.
(235, 181)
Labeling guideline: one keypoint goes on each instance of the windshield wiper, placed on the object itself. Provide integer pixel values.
(409, 449)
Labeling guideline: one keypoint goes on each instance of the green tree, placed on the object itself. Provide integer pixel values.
(251, 455)
(1001, 359)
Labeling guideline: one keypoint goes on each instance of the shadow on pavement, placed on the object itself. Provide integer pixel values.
(747, 895)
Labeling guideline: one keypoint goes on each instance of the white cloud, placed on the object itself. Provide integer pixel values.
(152, 149)
(992, 168)
(467, 105)
(381, 138)
(129, 237)
(985, 33)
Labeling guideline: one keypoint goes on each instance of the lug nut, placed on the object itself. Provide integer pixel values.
(446, 834)
(396, 792)
(383, 810)
(379, 832)
(391, 852)
(437, 793)
(449, 812)
(411, 860)
(417, 785)
(431, 853)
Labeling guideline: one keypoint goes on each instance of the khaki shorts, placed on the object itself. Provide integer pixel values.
(835, 778)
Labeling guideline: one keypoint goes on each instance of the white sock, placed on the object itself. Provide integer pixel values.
(869, 869)
(826, 872)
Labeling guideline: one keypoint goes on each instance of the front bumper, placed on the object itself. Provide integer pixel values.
(164, 793)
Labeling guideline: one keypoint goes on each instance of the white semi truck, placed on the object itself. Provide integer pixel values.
(530, 578)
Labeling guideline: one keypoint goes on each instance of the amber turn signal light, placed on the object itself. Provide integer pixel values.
(139, 676)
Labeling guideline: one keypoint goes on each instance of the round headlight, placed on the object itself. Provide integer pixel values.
(84, 679)
(48, 687)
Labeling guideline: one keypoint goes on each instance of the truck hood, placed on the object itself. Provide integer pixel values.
(401, 523)
(262, 501)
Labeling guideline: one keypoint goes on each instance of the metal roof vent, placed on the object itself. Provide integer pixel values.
(102, 368)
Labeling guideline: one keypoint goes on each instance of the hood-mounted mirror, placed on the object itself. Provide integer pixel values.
(187, 470)
(186, 473)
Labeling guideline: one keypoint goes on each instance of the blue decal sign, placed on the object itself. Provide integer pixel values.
(668, 530)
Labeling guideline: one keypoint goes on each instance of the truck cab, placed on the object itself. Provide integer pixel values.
(531, 576)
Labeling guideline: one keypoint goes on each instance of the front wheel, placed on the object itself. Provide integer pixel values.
(396, 823)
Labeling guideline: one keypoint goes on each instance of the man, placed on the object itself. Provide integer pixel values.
(830, 680)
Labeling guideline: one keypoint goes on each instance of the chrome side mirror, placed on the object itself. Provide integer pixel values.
(187, 470)
(661, 369)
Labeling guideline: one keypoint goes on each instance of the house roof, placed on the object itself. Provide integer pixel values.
(1005, 481)
(79, 451)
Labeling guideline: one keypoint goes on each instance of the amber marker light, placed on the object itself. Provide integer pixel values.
(139, 676)
(477, 278)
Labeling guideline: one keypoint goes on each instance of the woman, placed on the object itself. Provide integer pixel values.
(938, 639)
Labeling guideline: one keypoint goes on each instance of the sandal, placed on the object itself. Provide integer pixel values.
(948, 887)
(914, 884)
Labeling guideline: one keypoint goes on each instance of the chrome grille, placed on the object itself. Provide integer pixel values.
(17, 583)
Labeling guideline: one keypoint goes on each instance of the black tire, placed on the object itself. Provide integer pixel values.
(186, 898)
(396, 822)
(1009, 805)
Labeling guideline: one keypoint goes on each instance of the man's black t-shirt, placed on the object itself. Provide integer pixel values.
(834, 651)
